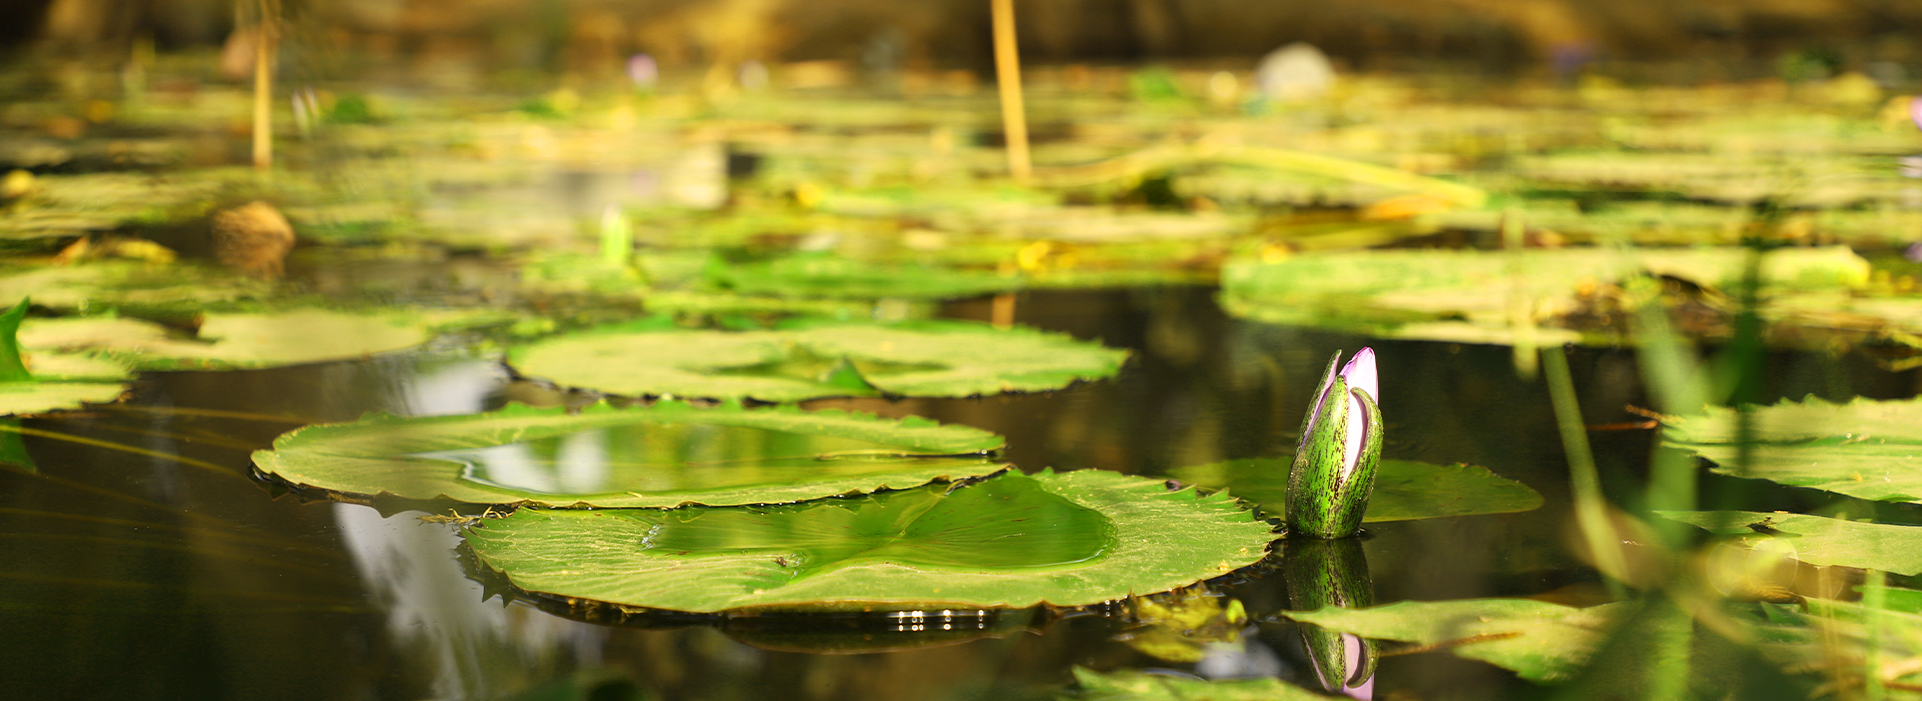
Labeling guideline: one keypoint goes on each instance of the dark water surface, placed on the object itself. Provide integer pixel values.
(133, 575)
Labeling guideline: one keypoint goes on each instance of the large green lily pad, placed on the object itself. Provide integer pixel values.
(1403, 490)
(1818, 540)
(664, 455)
(924, 359)
(1539, 641)
(233, 340)
(1013, 540)
(1866, 448)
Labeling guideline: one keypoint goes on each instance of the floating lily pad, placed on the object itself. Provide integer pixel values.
(1403, 490)
(1013, 541)
(664, 455)
(56, 382)
(1537, 640)
(1400, 292)
(1866, 449)
(1819, 540)
(836, 277)
(1134, 685)
(924, 359)
(126, 283)
(233, 340)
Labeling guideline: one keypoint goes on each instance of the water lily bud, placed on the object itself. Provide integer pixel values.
(1334, 468)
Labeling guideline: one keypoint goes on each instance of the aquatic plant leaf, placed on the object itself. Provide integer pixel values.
(1433, 293)
(1403, 490)
(34, 397)
(1537, 640)
(127, 283)
(924, 359)
(659, 456)
(1012, 540)
(1136, 685)
(1819, 540)
(838, 277)
(233, 340)
(12, 369)
(1867, 449)
(54, 385)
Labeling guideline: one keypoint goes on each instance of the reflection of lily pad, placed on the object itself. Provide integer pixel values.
(1818, 540)
(1403, 490)
(1134, 685)
(1866, 449)
(1538, 640)
(233, 340)
(660, 456)
(1011, 541)
(929, 358)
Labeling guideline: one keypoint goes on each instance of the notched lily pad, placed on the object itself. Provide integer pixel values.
(1403, 490)
(1866, 448)
(922, 359)
(1010, 541)
(660, 456)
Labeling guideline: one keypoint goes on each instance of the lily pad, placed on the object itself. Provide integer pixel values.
(126, 283)
(1403, 490)
(1537, 640)
(1401, 292)
(1818, 540)
(664, 455)
(233, 340)
(923, 359)
(53, 384)
(1866, 448)
(837, 277)
(1135, 685)
(1012, 541)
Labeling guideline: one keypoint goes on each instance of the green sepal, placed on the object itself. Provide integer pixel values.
(1326, 499)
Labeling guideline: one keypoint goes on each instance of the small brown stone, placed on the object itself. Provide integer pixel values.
(253, 239)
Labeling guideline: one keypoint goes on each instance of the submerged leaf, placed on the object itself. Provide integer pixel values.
(1866, 448)
(1403, 490)
(924, 359)
(659, 456)
(1009, 541)
(1538, 640)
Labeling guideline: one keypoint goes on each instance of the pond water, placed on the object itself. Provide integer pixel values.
(163, 569)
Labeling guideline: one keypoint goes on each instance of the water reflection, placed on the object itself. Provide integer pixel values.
(1321, 573)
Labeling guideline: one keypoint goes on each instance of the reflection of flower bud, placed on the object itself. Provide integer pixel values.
(1323, 573)
(1334, 469)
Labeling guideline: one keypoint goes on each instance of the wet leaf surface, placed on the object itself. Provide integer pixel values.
(1818, 540)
